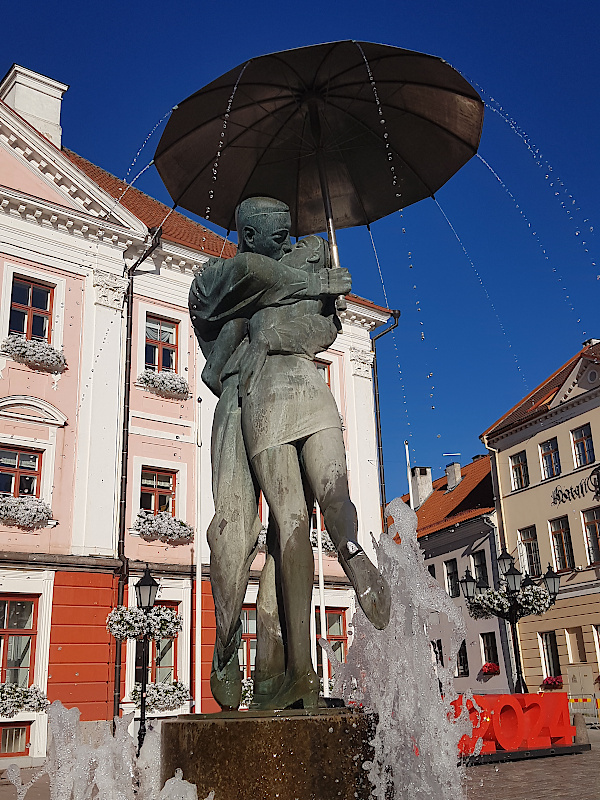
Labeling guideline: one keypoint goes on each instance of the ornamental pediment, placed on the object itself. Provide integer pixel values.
(584, 377)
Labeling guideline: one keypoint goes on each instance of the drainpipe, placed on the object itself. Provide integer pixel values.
(124, 566)
(382, 499)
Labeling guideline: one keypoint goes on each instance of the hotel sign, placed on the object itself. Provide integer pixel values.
(588, 485)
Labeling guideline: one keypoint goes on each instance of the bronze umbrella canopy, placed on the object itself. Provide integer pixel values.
(344, 133)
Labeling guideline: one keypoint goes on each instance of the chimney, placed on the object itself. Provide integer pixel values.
(35, 98)
(422, 485)
(453, 475)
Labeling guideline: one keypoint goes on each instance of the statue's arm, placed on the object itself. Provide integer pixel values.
(310, 335)
(230, 337)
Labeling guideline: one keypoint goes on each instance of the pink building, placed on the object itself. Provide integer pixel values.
(68, 229)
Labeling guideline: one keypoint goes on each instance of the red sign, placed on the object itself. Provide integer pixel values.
(516, 722)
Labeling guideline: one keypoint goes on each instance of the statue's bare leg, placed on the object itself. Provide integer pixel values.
(323, 459)
(278, 472)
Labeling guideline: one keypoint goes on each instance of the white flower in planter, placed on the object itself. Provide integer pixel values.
(328, 545)
(163, 526)
(163, 622)
(161, 696)
(496, 603)
(166, 384)
(126, 623)
(36, 354)
(25, 512)
(14, 698)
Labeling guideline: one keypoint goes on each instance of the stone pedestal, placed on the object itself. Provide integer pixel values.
(286, 755)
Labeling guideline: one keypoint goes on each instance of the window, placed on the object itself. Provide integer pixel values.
(561, 541)
(15, 739)
(583, 446)
(591, 520)
(158, 490)
(161, 345)
(436, 646)
(162, 666)
(18, 618)
(30, 309)
(247, 650)
(324, 371)
(519, 472)
(529, 541)
(550, 459)
(576, 646)
(490, 651)
(480, 567)
(431, 569)
(452, 585)
(550, 653)
(20, 472)
(336, 635)
(462, 661)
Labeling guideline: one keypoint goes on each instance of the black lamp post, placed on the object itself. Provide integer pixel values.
(145, 591)
(514, 581)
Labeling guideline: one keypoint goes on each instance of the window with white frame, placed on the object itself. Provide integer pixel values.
(529, 540)
(489, 647)
(583, 446)
(452, 584)
(462, 661)
(561, 543)
(518, 470)
(162, 662)
(550, 459)
(161, 344)
(18, 632)
(549, 648)
(480, 567)
(591, 521)
(31, 309)
(247, 648)
(336, 633)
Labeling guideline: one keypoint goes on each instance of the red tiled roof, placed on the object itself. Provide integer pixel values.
(471, 498)
(538, 401)
(178, 228)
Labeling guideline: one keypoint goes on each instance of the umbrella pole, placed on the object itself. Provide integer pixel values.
(315, 127)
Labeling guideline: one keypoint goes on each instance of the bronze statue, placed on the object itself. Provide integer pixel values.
(261, 318)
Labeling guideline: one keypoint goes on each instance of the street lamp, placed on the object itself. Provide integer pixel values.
(514, 582)
(145, 592)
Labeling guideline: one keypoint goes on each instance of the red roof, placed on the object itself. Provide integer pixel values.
(537, 402)
(472, 497)
(178, 228)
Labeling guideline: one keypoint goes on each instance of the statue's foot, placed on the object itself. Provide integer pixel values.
(302, 690)
(265, 691)
(370, 586)
(226, 684)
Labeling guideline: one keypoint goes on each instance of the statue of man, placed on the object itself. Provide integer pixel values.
(272, 323)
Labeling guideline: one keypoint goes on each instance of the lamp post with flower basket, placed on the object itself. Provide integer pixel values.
(518, 596)
(145, 591)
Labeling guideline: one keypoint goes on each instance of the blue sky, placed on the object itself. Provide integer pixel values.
(495, 323)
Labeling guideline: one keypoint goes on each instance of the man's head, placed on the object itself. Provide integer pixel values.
(263, 227)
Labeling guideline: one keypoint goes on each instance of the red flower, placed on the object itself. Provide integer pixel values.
(489, 668)
(553, 682)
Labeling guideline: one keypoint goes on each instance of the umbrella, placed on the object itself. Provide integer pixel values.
(344, 133)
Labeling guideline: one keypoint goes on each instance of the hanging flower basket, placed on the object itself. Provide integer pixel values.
(553, 682)
(247, 693)
(489, 668)
(36, 354)
(126, 623)
(160, 622)
(496, 603)
(163, 623)
(161, 696)
(14, 698)
(328, 545)
(164, 527)
(25, 512)
(165, 384)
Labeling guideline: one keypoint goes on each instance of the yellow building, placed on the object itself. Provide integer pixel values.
(546, 473)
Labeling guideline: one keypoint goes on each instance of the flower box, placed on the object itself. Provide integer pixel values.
(164, 527)
(24, 512)
(489, 668)
(496, 603)
(553, 682)
(36, 354)
(161, 622)
(14, 699)
(161, 696)
(165, 384)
